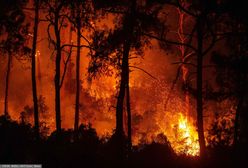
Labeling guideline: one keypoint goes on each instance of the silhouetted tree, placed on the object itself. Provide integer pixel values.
(14, 31)
(207, 19)
(56, 17)
(231, 69)
(36, 4)
(203, 37)
(81, 18)
(135, 17)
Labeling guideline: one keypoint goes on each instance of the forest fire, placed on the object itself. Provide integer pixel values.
(182, 135)
(188, 137)
(124, 83)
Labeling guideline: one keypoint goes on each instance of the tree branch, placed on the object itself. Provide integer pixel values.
(72, 46)
(178, 5)
(65, 68)
(50, 40)
(143, 71)
(170, 42)
(186, 63)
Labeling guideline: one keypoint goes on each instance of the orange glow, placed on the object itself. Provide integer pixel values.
(98, 99)
(188, 137)
(182, 135)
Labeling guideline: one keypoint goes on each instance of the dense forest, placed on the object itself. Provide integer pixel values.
(124, 83)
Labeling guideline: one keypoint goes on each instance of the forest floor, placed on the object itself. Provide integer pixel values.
(19, 146)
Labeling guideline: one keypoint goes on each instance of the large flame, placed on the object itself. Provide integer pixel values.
(181, 134)
(187, 139)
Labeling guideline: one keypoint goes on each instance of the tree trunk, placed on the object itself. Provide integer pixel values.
(129, 117)
(120, 98)
(128, 27)
(6, 112)
(77, 103)
(33, 70)
(200, 127)
(57, 72)
(124, 83)
(120, 101)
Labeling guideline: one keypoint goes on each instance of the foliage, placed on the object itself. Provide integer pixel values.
(108, 43)
(13, 28)
(221, 132)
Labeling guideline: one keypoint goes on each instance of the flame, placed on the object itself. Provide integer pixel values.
(187, 141)
(181, 134)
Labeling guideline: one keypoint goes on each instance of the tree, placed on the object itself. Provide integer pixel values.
(56, 17)
(14, 32)
(33, 67)
(203, 36)
(135, 18)
(203, 29)
(231, 68)
(81, 17)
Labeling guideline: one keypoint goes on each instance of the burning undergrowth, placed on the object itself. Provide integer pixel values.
(159, 113)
